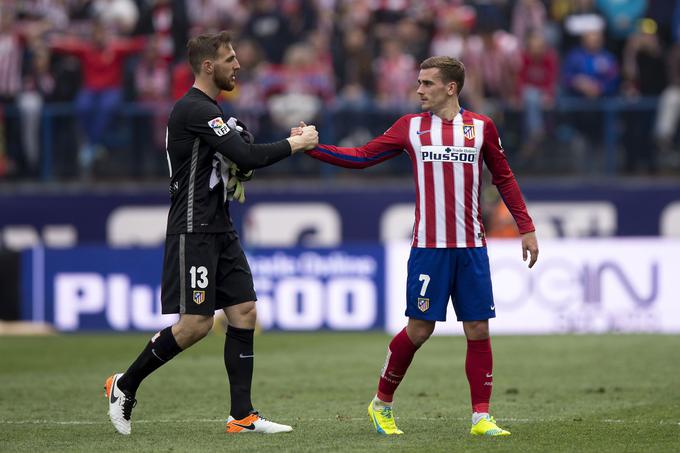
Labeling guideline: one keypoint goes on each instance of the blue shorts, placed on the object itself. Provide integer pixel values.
(437, 274)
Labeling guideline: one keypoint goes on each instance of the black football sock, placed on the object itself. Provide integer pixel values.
(158, 351)
(239, 358)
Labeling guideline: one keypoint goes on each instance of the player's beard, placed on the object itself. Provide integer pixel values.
(223, 82)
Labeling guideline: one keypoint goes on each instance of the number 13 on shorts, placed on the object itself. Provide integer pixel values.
(199, 277)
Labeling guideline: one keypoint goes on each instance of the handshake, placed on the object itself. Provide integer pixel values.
(303, 138)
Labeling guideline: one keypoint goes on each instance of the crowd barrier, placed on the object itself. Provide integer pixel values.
(131, 136)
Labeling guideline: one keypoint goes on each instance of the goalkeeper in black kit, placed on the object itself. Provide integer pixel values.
(204, 267)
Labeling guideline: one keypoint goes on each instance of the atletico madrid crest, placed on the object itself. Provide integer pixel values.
(199, 297)
(469, 131)
(423, 304)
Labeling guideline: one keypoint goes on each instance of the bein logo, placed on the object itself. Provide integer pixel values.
(559, 283)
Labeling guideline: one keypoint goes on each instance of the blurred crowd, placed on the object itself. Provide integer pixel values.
(527, 62)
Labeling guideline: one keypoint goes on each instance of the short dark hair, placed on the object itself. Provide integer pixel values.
(451, 69)
(205, 47)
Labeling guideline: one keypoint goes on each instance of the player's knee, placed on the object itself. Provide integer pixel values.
(419, 333)
(194, 328)
(242, 315)
(204, 328)
(476, 330)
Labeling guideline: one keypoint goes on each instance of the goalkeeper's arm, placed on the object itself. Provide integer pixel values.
(248, 156)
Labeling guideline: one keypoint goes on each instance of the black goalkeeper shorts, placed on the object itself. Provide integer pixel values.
(204, 272)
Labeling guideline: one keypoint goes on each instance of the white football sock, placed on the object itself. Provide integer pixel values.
(477, 416)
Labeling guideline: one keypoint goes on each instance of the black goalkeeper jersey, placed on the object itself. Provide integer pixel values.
(197, 130)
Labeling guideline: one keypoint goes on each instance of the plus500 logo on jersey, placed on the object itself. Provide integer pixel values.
(463, 154)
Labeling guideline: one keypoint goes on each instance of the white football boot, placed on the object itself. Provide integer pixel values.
(120, 404)
(253, 423)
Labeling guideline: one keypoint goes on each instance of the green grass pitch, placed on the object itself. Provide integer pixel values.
(576, 393)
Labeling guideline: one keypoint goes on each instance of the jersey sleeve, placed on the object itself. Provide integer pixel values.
(504, 179)
(388, 145)
(208, 123)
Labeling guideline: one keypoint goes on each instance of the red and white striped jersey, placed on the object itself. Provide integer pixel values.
(447, 161)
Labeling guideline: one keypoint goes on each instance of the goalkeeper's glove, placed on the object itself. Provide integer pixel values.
(235, 185)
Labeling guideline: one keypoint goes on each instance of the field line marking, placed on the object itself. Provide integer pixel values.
(335, 419)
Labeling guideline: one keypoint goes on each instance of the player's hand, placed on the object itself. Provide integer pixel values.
(297, 130)
(530, 247)
(307, 140)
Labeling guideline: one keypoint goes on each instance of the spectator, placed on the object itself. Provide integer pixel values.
(167, 21)
(576, 17)
(528, 16)
(537, 89)
(668, 112)
(394, 71)
(590, 71)
(101, 94)
(11, 53)
(644, 74)
(215, 15)
(621, 17)
(152, 86)
(39, 88)
(414, 37)
(492, 57)
(118, 15)
(269, 28)
(452, 26)
(297, 88)
(353, 69)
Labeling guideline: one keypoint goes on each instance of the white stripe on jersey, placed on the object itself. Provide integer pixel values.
(438, 184)
(414, 138)
(476, 227)
(167, 154)
(459, 183)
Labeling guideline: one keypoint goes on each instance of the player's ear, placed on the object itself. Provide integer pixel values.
(453, 88)
(208, 66)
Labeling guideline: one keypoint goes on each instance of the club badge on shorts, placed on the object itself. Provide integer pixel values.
(423, 304)
(199, 297)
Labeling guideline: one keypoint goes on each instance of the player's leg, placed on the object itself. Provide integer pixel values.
(239, 356)
(236, 295)
(188, 288)
(400, 353)
(427, 294)
(474, 306)
(121, 387)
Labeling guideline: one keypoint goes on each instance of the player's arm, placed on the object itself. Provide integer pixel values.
(380, 149)
(211, 127)
(504, 180)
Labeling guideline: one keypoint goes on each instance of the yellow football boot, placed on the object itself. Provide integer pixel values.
(487, 427)
(383, 419)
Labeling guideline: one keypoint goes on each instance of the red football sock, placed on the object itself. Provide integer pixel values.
(399, 356)
(479, 368)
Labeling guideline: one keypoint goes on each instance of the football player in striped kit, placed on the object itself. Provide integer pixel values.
(447, 146)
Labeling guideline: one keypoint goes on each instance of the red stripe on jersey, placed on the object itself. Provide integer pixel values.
(480, 168)
(412, 154)
(469, 190)
(428, 178)
(449, 188)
